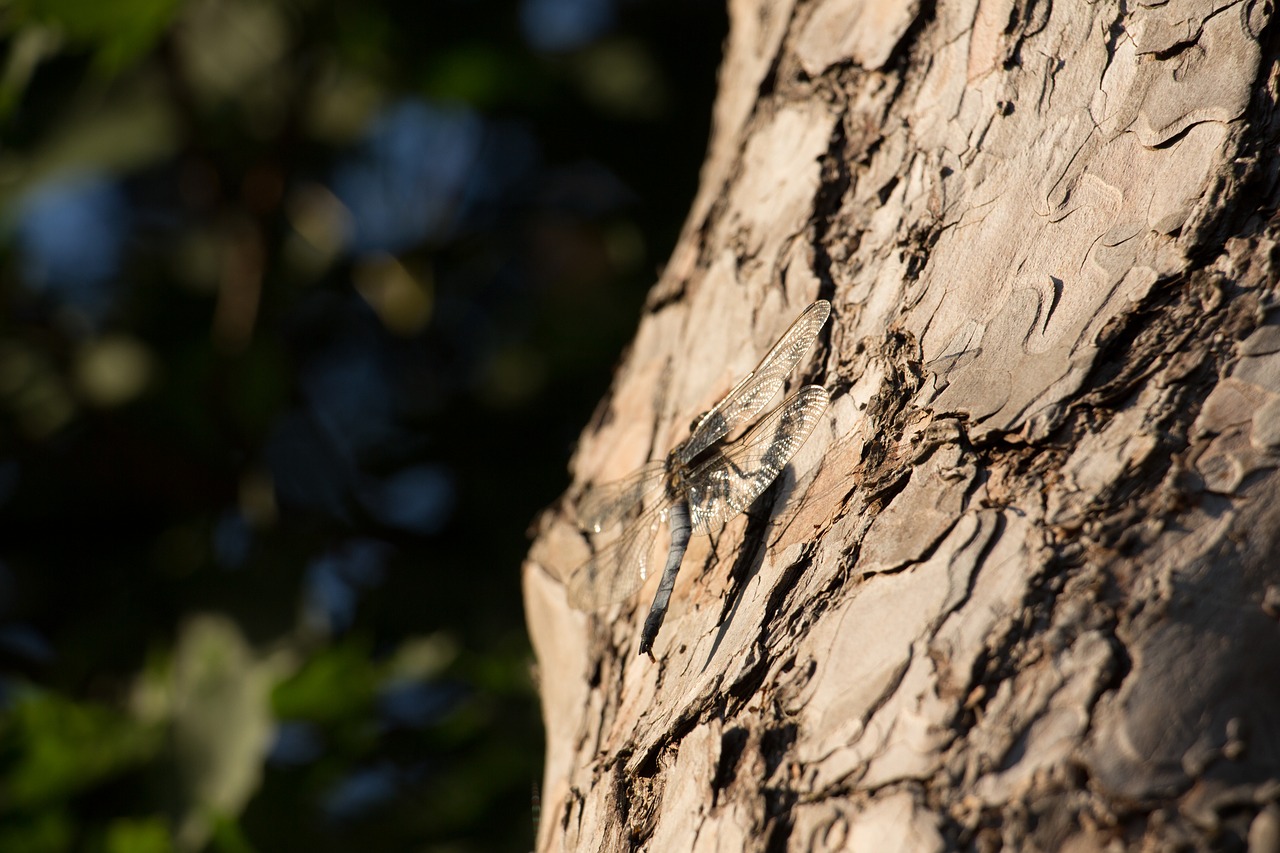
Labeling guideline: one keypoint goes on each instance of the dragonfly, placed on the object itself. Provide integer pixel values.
(702, 483)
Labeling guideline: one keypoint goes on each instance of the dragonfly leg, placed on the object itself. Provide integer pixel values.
(680, 527)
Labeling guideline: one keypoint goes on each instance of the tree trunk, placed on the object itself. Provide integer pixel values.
(1021, 588)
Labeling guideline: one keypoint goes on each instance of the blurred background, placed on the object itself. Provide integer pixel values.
(302, 307)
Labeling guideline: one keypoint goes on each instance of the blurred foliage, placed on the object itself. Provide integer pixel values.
(117, 33)
(302, 305)
(58, 747)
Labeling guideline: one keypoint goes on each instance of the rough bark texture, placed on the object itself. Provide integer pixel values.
(1022, 589)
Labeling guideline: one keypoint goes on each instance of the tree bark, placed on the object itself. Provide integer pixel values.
(1021, 589)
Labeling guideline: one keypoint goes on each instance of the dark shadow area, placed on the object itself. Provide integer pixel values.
(302, 307)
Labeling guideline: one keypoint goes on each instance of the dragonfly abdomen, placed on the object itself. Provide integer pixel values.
(680, 529)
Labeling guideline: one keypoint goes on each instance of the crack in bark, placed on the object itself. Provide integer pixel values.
(835, 180)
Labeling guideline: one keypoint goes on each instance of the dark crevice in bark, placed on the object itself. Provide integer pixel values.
(1003, 660)
(776, 744)
(886, 190)
(622, 790)
(747, 562)
(1245, 194)
(1050, 809)
(1116, 373)
(733, 743)
(1026, 20)
(992, 666)
(1146, 339)
(769, 82)
(888, 411)
(786, 583)
(745, 687)
(593, 675)
(829, 594)
(637, 794)
(902, 61)
(647, 764)
(778, 805)
(992, 537)
(1142, 344)
(834, 182)
(1115, 31)
(663, 297)
(918, 247)
(754, 538)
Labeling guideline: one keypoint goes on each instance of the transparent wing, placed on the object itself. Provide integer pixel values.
(758, 387)
(603, 506)
(726, 484)
(618, 569)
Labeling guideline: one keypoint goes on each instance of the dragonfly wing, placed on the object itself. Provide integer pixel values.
(761, 385)
(726, 484)
(603, 506)
(617, 570)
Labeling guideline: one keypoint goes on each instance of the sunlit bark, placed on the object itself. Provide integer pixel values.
(1022, 587)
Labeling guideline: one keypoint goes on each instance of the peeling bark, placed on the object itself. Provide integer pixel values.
(1022, 588)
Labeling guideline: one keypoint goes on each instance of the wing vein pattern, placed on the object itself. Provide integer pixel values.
(727, 483)
(712, 479)
(745, 400)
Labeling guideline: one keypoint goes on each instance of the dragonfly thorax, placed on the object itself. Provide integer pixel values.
(675, 476)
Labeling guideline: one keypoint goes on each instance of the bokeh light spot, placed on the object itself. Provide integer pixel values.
(71, 233)
(113, 370)
(401, 300)
(562, 25)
